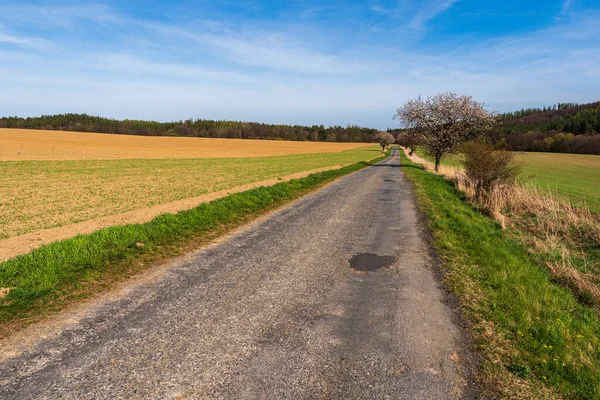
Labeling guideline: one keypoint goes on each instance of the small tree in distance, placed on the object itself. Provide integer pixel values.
(408, 139)
(444, 121)
(385, 139)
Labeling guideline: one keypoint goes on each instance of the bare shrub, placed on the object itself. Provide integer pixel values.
(487, 168)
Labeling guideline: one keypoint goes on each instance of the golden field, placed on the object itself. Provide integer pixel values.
(29, 144)
(93, 179)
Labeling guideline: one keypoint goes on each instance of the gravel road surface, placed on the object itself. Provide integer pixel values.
(335, 296)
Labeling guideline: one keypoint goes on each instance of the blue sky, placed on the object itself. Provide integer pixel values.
(300, 61)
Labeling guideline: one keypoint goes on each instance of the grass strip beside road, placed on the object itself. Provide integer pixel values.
(537, 340)
(52, 276)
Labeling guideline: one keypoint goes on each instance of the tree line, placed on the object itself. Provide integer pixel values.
(563, 128)
(528, 111)
(194, 128)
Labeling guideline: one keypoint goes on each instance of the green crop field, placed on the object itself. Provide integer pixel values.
(574, 175)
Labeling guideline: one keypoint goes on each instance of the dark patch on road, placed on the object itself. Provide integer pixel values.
(390, 180)
(369, 262)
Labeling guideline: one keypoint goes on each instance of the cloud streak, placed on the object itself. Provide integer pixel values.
(24, 41)
(428, 12)
(567, 5)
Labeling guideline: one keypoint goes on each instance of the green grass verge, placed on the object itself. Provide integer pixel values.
(536, 338)
(53, 275)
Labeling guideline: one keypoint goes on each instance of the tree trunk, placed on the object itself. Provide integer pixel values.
(437, 162)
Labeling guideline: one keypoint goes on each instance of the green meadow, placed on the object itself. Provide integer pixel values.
(574, 175)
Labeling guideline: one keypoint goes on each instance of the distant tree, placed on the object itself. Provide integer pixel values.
(410, 140)
(385, 139)
(443, 121)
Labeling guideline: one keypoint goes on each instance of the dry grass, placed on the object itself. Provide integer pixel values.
(553, 227)
(28, 144)
(449, 171)
(551, 224)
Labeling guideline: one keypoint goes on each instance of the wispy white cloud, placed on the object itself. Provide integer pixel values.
(381, 10)
(567, 4)
(24, 41)
(264, 49)
(275, 51)
(125, 63)
(428, 11)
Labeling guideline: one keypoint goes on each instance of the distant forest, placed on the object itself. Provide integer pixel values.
(193, 128)
(560, 128)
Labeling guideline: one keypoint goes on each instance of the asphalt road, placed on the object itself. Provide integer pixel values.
(335, 296)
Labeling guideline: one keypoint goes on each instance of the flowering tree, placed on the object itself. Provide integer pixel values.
(443, 121)
(409, 139)
(385, 139)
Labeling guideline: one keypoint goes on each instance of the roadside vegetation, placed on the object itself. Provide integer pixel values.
(575, 177)
(55, 275)
(560, 231)
(442, 122)
(385, 139)
(524, 261)
(539, 337)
